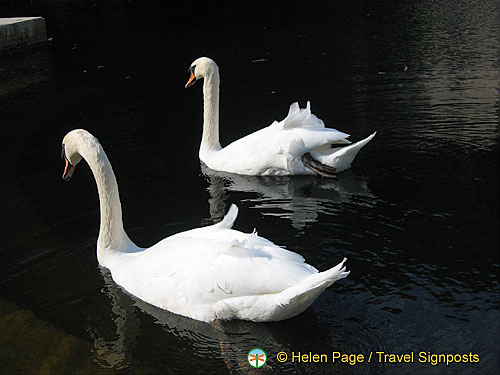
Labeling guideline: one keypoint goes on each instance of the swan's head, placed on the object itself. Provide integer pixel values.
(69, 153)
(200, 68)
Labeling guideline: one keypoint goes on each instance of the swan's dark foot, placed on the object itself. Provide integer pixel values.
(318, 168)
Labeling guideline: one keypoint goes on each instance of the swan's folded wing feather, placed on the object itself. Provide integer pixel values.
(253, 267)
(210, 231)
(300, 130)
(301, 117)
(235, 243)
(252, 153)
(270, 147)
(298, 141)
(229, 218)
(186, 270)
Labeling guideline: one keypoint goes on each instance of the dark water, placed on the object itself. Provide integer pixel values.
(417, 216)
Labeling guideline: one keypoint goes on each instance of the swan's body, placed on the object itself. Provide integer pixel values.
(207, 273)
(298, 145)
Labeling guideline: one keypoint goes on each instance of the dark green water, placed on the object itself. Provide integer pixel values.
(416, 216)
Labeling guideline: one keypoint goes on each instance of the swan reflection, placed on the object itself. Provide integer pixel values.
(299, 199)
(112, 348)
(229, 341)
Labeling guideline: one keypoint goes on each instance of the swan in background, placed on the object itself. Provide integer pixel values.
(298, 145)
(206, 273)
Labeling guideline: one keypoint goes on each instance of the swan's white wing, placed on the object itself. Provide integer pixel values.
(274, 148)
(300, 132)
(211, 231)
(303, 118)
(252, 154)
(298, 141)
(303, 132)
(229, 218)
(217, 272)
(238, 264)
(190, 272)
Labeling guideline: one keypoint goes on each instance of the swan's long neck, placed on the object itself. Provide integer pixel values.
(210, 137)
(112, 236)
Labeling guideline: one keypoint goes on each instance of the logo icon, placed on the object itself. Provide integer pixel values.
(257, 357)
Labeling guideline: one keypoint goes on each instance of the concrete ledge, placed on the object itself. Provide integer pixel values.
(21, 32)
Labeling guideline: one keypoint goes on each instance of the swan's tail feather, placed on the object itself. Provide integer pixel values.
(286, 304)
(298, 298)
(322, 279)
(330, 276)
(229, 218)
(340, 158)
(302, 117)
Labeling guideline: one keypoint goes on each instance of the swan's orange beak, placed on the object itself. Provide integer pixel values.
(68, 170)
(191, 80)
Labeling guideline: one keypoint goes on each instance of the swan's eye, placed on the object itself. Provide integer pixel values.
(63, 152)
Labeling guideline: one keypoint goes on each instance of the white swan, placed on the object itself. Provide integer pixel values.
(206, 273)
(298, 145)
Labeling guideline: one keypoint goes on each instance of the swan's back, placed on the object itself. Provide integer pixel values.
(277, 148)
(192, 272)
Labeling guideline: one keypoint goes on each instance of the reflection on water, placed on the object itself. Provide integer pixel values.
(299, 199)
(113, 351)
(228, 341)
(433, 75)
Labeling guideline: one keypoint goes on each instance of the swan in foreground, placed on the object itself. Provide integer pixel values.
(298, 145)
(206, 273)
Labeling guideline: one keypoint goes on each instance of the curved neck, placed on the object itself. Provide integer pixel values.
(112, 236)
(210, 137)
